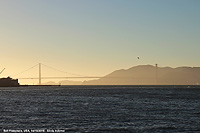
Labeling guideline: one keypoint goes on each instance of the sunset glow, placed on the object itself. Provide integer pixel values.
(95, 38)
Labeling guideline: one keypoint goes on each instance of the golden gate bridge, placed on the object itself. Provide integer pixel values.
(40, 77)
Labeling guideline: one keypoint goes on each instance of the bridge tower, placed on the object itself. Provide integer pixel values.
(156, 75)
(40, 74)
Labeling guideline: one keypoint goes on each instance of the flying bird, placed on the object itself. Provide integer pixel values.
(138, 57)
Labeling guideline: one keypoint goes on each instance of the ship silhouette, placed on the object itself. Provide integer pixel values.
(8, 82)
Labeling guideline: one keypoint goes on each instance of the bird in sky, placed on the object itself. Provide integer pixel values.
(138, 57)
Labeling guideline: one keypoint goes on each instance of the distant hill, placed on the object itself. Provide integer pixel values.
(70, 82)
(146, 75)
(63, 82)
(50, 83)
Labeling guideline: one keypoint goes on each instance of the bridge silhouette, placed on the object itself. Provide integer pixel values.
(40, 77)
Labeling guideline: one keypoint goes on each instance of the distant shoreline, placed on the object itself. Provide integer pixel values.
(188, 86)
(103, 86)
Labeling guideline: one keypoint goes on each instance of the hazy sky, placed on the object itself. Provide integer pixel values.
(96, 37)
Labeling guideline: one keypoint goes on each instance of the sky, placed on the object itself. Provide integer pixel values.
(96, 37)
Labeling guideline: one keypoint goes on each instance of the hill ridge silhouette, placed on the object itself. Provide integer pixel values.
(146, 75)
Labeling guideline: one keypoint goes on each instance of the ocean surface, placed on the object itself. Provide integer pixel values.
(100, 109)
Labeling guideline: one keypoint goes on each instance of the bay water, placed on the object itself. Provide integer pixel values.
(100, 109)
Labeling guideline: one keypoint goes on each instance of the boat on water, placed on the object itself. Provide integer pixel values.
(9, 82)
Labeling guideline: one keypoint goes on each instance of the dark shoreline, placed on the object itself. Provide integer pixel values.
(103, 86)
(187, 86)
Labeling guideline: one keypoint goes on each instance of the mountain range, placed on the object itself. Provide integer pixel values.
(147, 75)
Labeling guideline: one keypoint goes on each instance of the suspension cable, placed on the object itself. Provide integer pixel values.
(24, 71)
(64, 71)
